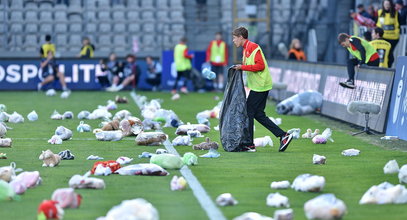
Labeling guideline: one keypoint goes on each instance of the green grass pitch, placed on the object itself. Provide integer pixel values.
(246, 175)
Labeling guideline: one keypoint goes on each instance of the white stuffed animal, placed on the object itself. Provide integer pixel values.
(50, 159)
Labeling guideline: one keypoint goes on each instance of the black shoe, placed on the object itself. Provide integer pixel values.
(285, 141)
(348, 84)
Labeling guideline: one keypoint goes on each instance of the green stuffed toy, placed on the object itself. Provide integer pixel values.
(190, 159)
(7, 192)
(167, 161)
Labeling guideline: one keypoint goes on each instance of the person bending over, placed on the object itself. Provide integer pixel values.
(50, 72)
(363, 52)
(259, 82)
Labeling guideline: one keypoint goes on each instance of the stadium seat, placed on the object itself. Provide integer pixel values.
(178, 28)
(133, 15)
(75, 27)
(17, 4)
(89, 4)
(75, 41)
(162, 4)
(146, 5)
(45, 5)
(46, 27)
(177, 16)
(133, 4)
(176, 4)
(105, 27)
(30, 42)
(31, 28)
(15, 42)
(119, 40)
(60, 7)
(16, 16)
(31, 5)
(61, 28)
(46, 16)
(31, 15)
(2, 14)
(90, 15)
(147, 16)
(104, 15)
(75, 17)
(119, 27)
(162, 16)
(61, 39)
(60, 16)
(134, 28)
(16, 27)
(103, 3)
(148, 27)
(91, 27)
(75, 2)
(118, 15)
(105, 43)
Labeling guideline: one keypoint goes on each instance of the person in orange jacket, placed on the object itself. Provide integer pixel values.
(296, 52)
(217, 56)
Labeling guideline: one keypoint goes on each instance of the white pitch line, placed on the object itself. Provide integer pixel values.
(73, 139)
(212, 211)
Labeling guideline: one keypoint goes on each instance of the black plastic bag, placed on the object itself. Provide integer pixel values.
(234, 122)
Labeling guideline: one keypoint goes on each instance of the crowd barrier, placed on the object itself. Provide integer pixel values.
(397, 120)
(373, 85)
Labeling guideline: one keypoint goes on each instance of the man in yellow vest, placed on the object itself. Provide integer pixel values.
(382, 47)
(182, 64)
(47, 46)
(259, 82)
(87, 48)
(217, 56)
(363, 52)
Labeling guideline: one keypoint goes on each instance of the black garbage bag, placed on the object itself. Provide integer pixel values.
(234, 123)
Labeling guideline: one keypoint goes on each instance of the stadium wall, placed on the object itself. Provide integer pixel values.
(373, 85)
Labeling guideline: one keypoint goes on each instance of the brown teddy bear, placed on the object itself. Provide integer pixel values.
(50, 159)
(206, 145)
(111, 126)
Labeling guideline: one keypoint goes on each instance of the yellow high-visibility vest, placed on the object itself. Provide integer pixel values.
(258, 81)
(46, 48)
(369, 49)
(217, 52)
(85, 48)
(383, 49)
(390, 25)
(181, 63)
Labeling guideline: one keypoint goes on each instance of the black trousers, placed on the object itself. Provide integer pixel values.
(354, 62)
(181, 74)
(256, 103)
(391, 52)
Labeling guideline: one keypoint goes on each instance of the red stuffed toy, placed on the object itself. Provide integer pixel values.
(49, 209)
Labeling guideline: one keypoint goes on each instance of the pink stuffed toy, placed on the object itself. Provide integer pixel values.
(67, 198)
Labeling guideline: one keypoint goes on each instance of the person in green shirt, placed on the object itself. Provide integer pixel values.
(259, 82)
(363, 52)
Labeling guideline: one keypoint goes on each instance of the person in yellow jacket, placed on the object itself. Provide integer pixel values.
(382, 47)
(217, 56)
(87, 49)
(182, 63)
(46, 47)
(389, 21)
(363, 52)
(259, 82)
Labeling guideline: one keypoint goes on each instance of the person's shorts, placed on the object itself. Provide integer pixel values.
(46, 74)
(218, 70)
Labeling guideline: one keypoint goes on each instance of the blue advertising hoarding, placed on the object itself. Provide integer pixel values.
(397, 117)
(80, 74)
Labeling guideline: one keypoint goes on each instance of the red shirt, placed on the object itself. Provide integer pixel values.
(186, 55)
(248, 48)
(208, 53)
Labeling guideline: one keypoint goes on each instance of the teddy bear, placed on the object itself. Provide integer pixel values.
(50, 159)
(206, 145)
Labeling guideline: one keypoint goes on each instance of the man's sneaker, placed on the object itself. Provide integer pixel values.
(111, 88)
(39, 86)
(285, 141)
(348, 84)
(250, 149)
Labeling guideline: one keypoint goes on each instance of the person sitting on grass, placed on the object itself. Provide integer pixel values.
(363, 52)
(50, 72)
(154, 70)
(259, 82)
(131, 73)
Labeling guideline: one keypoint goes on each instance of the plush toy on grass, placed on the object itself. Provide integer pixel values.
(82, 127)
(263, 141)
(391, 167)
(8, 173)
(167, 161)
(6, 192)
(324, 137)
(85, 182)
(67, 115)
(190, 159)
(122, 114)
(56, 116)
(5, 142)
(226, 199)
(150, 138)
(26, 180)
(307, 134)
(16, 118)
(136, 209)
(178, 183)
(277, 200)
(325, 206)
(121, 100)
(83, 115)
(285, 184)
(3, 129)
(3, 156)
(183, 129)
(32, 116)
(308, 183)
(111, 126)
(50, 209)
(109, 135)
(385, 193)
(131, 126)
(49, 159)
(67, 198)
(4, 117)
(403, 174)
(295, 132)
(318, 159)
(63, 133)
(206, 145)
(182, 141)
